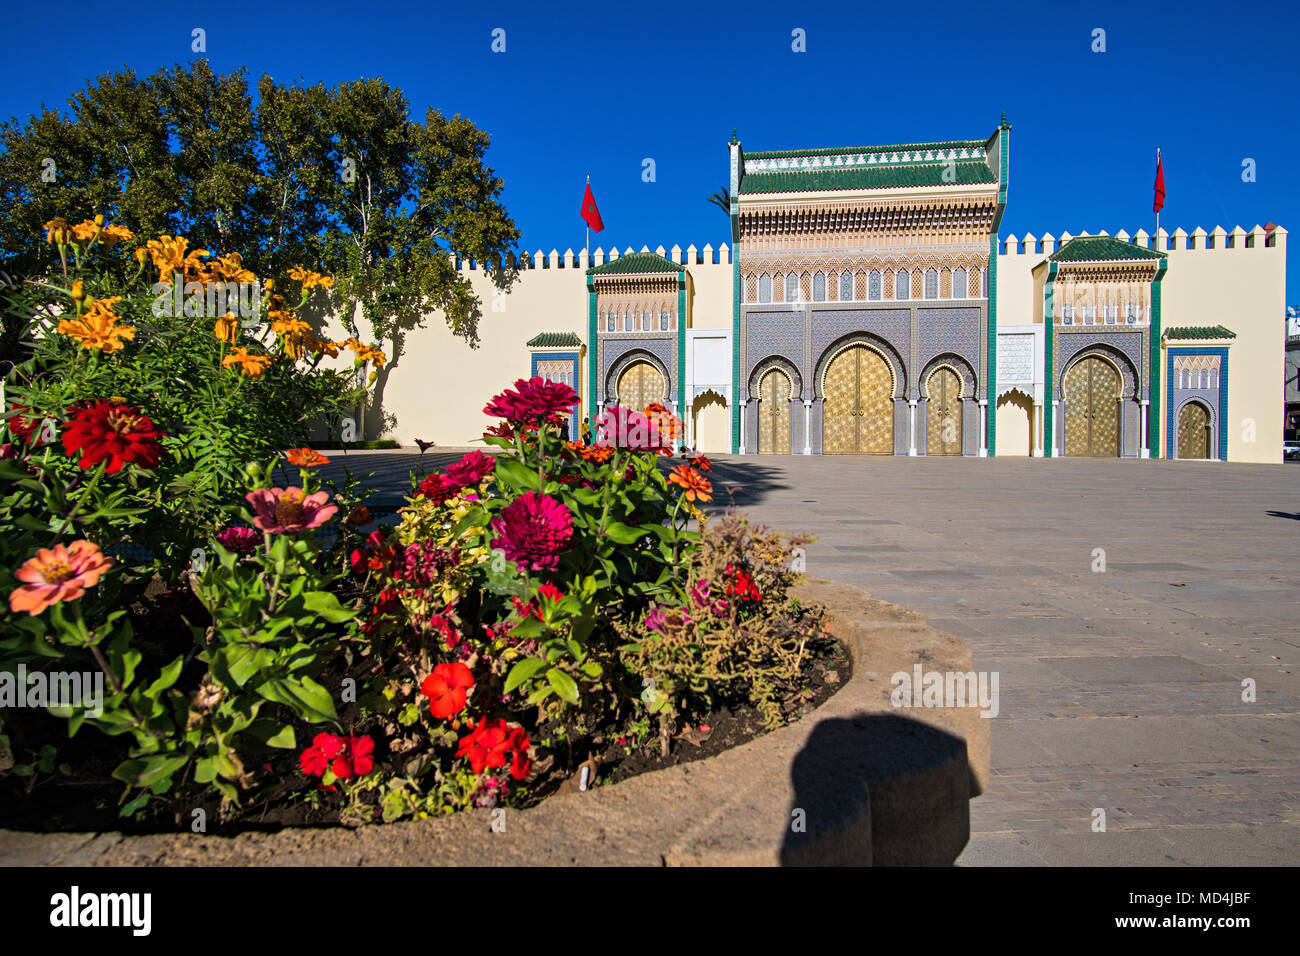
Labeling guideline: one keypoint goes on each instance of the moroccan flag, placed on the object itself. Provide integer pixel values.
(1160, 185)
(589, 211)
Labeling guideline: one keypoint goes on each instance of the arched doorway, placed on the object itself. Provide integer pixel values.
(1015, 417)
(1194, 431)
(711, 423)
(774, 413)
(1091, 391)
(943, 423)
(641, 384)
(859, 411)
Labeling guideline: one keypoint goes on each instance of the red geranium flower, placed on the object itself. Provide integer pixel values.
(533, 401)
(357, 758)
(492, 744)
(316, 758)
(118, 434)
(447, 688)
(532, 531)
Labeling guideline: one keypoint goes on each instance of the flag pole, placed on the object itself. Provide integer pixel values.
(1157, 235)
(587, 247)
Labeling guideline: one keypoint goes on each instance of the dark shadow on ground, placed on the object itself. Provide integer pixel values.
(735, 481)
(1284, 514)
(882, 787)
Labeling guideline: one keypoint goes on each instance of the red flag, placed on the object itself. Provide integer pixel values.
(589, 211)
(1160, 185)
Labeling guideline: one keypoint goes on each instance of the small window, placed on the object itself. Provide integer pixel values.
(959, 288)
(611, 322)
(1130, 313)
(901, 290)
(1067, 315)
(984, 279)
(764, 288)
(873, 286)
(647, 322)
(663, 321)
(1214, 378)
(791, 288)
(977, 275)
(629, 321)
(846, 287)
(819, 288)
(932, 283)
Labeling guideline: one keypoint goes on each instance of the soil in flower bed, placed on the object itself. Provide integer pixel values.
(90, 801)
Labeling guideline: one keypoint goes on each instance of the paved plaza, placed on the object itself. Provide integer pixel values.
(1121, 689)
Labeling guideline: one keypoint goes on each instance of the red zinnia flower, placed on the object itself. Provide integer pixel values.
(118, 434)
(532, 530)
(439, 488)
(533, 400)
(472, 469)
(447, 688)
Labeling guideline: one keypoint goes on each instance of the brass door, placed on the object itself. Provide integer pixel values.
(858, 416)
(1193, 431)
(640, 385)
(774, 414)
(1092, 390)
(943, 413)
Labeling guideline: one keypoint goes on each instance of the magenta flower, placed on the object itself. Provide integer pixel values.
(534, 401)
(532, 531)
(472, 469)
(239, 539)
(626, 428)
(289, 510)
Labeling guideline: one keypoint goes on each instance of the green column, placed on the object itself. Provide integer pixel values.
(591, 351)
(735, 331)
(1154, 432)
(1049, 359)
(992, 392)
(681, 346)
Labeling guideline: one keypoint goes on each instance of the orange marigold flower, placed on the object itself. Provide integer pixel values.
(285, 324)
(359, 516)
(57, 230)
(702, 463)
(251, 365)
(598, 454)
(86, 229)
(113, 234)
(306, 457)
(57, 574)
(694, 485)
(96, 327)
(171, 254)
(309, 279)
(227, 328)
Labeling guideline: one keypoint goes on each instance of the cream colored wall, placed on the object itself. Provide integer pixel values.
(437, 388)
(1243, 288)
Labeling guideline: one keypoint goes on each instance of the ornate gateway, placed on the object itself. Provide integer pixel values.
(640, 385)
(774, 414)
(1193, 431)
(1092, 391)
(859, 415)
(943, 413)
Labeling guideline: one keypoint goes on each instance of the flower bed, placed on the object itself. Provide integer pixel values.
(531, 620)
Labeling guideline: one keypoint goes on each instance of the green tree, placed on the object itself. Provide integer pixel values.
(722, 199)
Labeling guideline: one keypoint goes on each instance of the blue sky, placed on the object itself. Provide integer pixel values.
(596, 89)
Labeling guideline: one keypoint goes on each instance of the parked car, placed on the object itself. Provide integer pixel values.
(1291, 451)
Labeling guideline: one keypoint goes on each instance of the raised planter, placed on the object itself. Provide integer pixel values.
(856, 782)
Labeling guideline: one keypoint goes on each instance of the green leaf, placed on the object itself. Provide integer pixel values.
(622, 534)
(307, 698)
(564, 685)
(325, 604)
(522, 671)
(169, 675)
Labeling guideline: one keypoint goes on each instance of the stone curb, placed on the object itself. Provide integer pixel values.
(871, 784)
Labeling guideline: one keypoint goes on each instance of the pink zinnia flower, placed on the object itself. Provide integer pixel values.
(532, 531)
(289, 510)
(472, 469)
(439, 488)
(57, 574)
(533, 401)
(239, 539)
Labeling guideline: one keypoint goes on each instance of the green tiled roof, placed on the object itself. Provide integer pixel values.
(551, 340)
(1200, 332)
(637, 263)
(1101, 249)
(889, 148)
(867, 177)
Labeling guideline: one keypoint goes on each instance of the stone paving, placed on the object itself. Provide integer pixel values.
(1121, 689)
